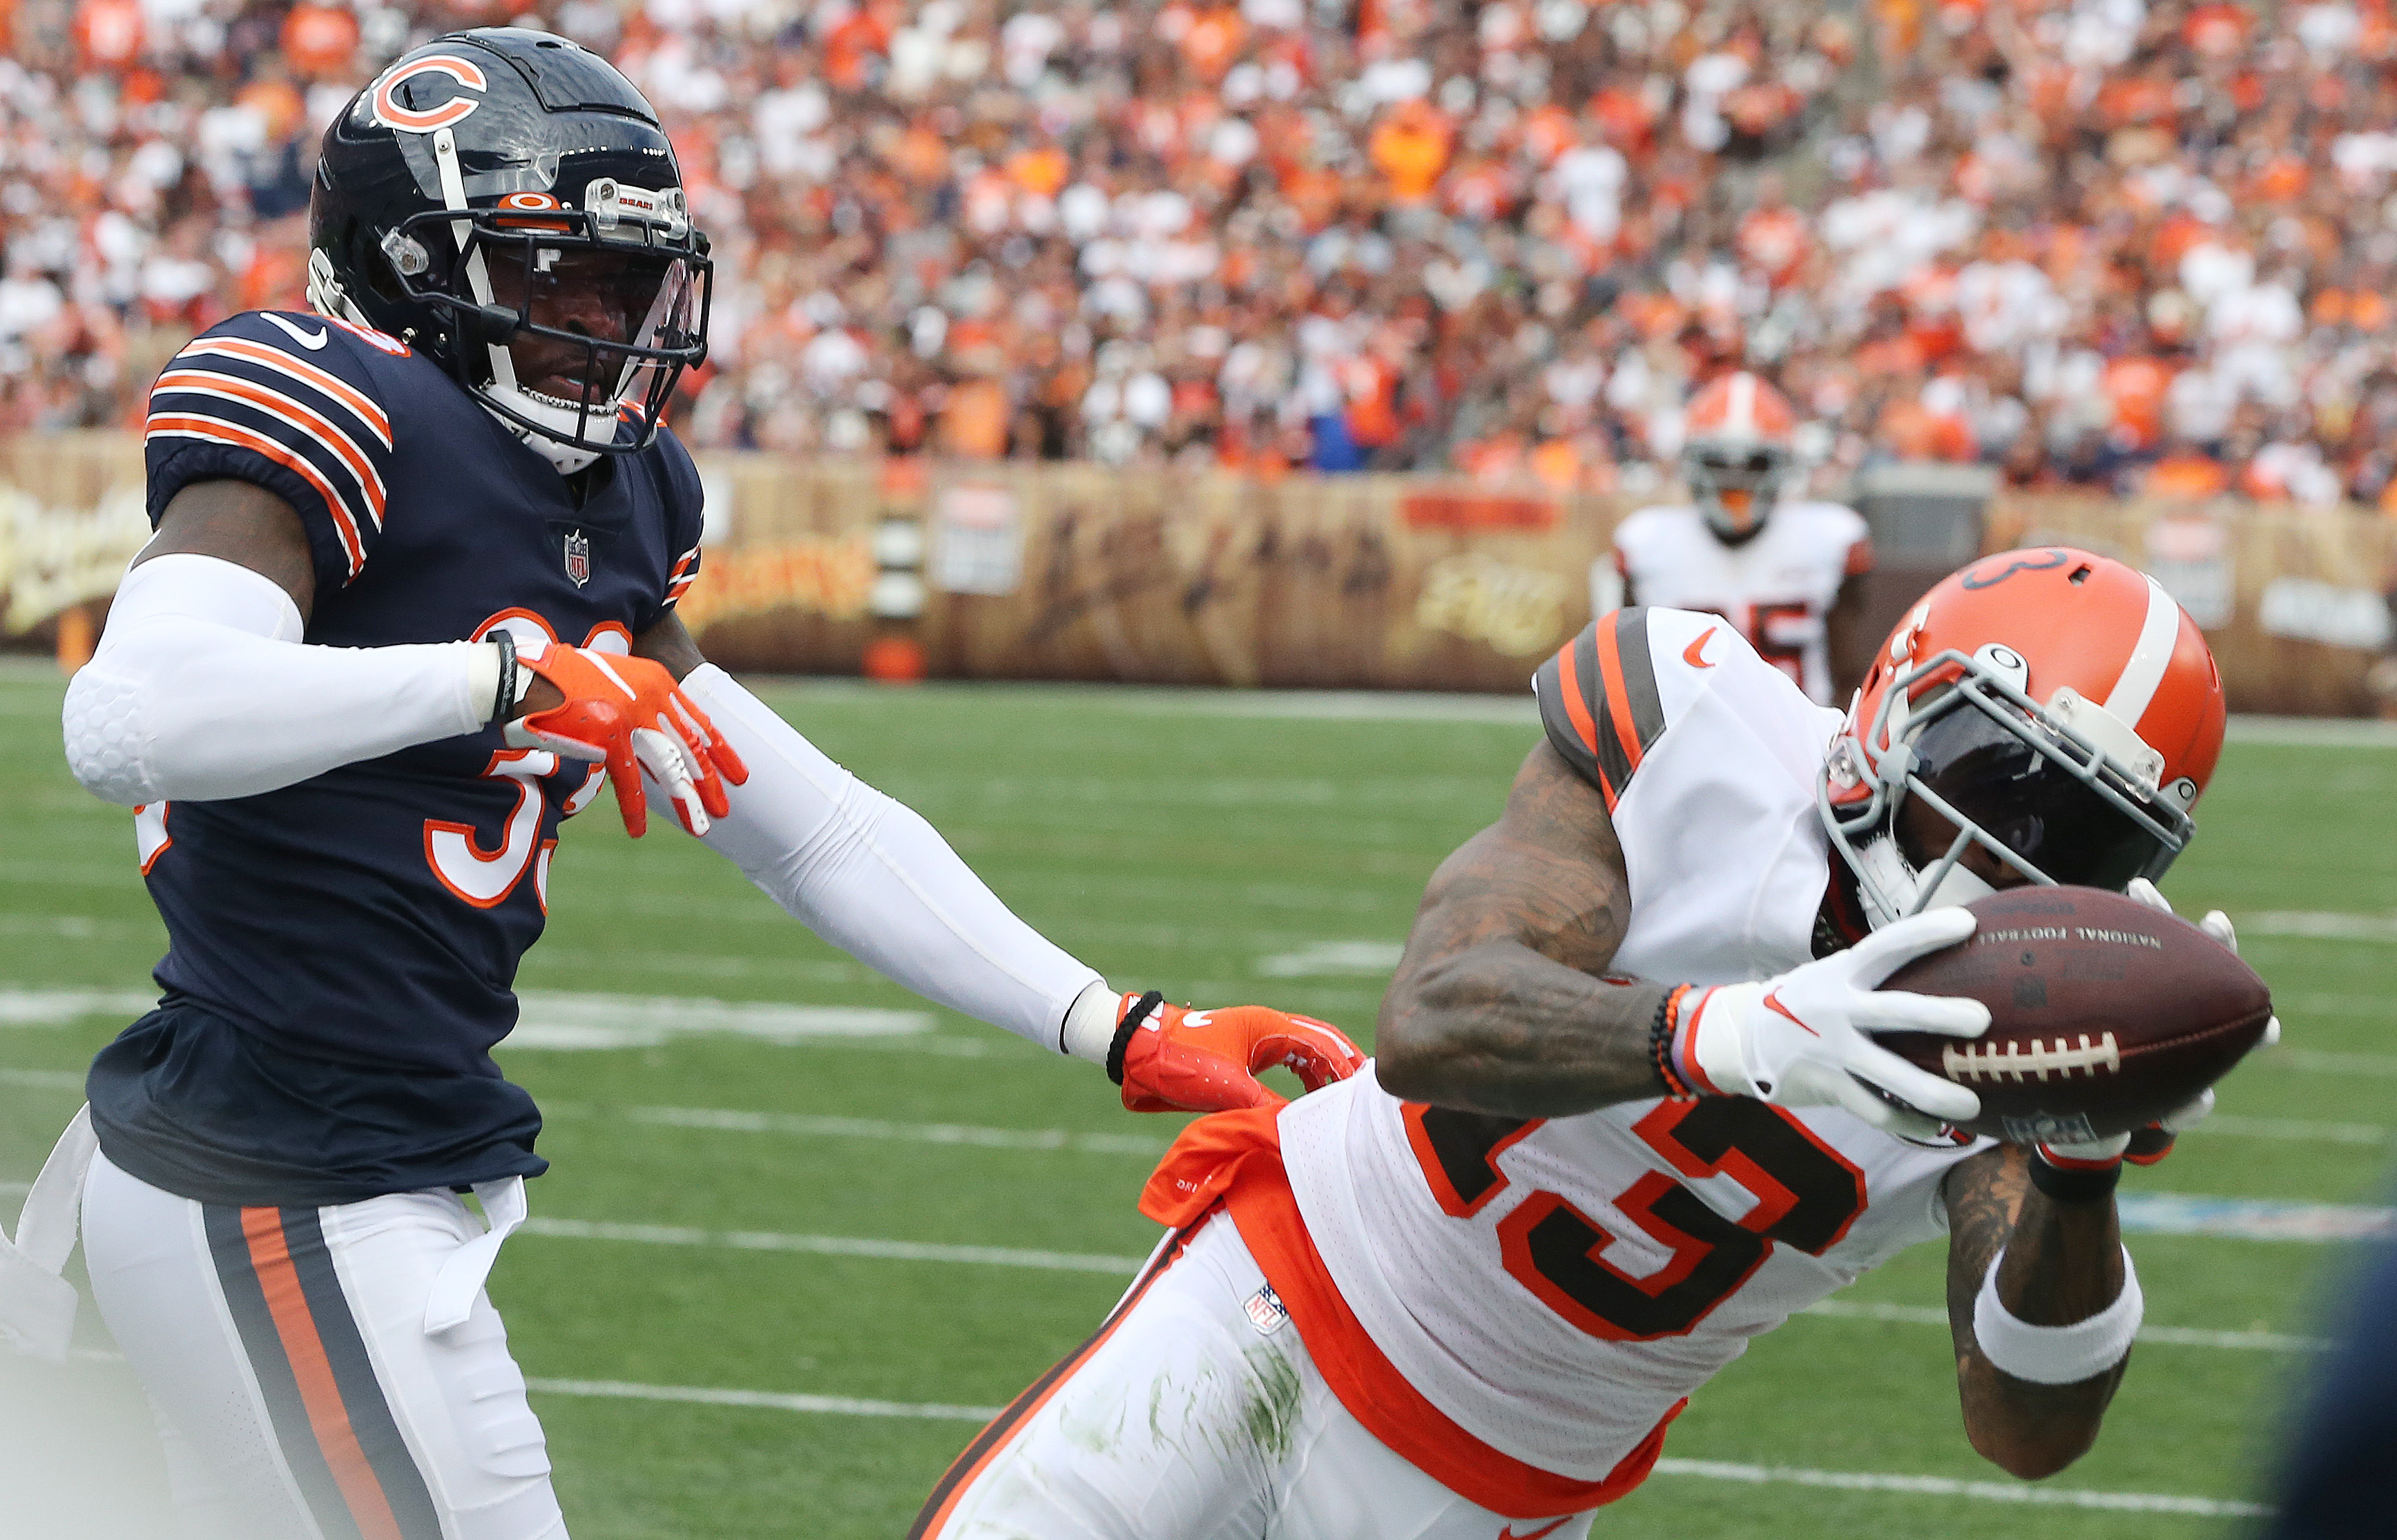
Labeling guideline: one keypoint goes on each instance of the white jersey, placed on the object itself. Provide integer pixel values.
(1777, 587)
(1557, 1286)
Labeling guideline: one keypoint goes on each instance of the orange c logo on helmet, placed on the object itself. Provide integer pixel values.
(389, 113)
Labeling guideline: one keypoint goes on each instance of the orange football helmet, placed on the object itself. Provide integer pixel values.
(2053, 707)
(1739, 445)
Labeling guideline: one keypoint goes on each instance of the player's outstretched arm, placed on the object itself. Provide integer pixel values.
(201, 687)
(2043, 1303)
(872, 876)
(1498, 1005)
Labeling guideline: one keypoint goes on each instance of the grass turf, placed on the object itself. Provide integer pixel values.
(1180, 850)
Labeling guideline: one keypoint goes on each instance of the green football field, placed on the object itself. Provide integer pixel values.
(790, 1254)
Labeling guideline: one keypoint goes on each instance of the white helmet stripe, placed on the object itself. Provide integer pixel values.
(2140, 677)
(1739, 411)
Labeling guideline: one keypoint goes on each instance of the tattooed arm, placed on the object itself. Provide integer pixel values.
(2063, 1264)
(1497, 1006)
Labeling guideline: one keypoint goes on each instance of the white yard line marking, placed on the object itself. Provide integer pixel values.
(1720, 1470)
(548, 1019)
(2245, 1219)
(2323, 1003)
(27, 1006)
(1943, 1486)
(838, 1406)
(74, 926)
(2142, 1214)
(833, 1245)
(2302, 1130)
(1334, 958)
(733, 1121)
(1124, 1267)
(553, 1019)
(43, 1079)
(2341, 732)
(2318, 1061)
(1146, 1145)
(2320, 924)
(2176, 1336)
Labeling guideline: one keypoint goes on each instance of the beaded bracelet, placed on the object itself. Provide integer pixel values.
(1660, 1044)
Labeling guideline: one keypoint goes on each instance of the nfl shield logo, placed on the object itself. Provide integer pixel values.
(578, 557)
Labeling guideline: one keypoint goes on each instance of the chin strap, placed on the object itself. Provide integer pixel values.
(565, 457)
(1892, 889)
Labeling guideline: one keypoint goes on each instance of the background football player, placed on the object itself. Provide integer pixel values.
(1787, 571)
(410, 598)
(1463, 1293)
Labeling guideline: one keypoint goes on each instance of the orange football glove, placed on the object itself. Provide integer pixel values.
(629, 713)
(1172, 1059)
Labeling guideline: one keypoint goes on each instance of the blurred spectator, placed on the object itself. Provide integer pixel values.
(2123, 244)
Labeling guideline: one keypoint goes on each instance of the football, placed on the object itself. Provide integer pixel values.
(2103, 1014)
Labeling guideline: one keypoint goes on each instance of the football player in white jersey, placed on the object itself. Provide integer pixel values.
(1628, 1113)
(1786, 571)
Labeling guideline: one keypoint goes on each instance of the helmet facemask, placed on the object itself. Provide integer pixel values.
(2065, 792)
(608, 303)
(1735, 484)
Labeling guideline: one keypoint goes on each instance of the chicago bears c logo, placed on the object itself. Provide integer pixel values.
(389, 113)
(1976, 581)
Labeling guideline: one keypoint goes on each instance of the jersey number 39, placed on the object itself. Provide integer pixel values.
(1807, 1195)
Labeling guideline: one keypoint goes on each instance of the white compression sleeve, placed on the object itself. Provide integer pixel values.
(202, 688)
(871, 876)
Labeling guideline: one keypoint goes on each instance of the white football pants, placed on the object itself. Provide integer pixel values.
(298, 1392)
(1196, 1413)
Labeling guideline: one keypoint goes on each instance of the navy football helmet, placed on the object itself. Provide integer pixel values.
(505, 201)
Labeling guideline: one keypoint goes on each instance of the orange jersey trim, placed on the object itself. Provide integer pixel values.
(1234, 1159)
(1610, 668)
(1569, 688)
(217, 430)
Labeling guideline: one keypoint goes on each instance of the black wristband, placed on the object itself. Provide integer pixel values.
(2073, 1184)
(1141, 1011)
(505, 700)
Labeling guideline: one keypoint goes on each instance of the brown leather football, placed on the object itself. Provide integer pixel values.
(2104, 1015)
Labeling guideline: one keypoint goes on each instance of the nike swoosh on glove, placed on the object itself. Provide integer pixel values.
(1172, 1059)
(629, 713)
(1804, 1039)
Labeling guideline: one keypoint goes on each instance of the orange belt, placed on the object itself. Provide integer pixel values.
(1234, 1159)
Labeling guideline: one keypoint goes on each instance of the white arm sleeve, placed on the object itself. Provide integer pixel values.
(202, 688)
(871, 876)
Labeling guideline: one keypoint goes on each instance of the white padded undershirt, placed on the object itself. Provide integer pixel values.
(201, 688)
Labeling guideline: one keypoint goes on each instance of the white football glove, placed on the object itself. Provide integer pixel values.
(2216, 924)
(1802, 1040)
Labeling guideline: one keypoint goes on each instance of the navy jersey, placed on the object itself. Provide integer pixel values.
(342, 951)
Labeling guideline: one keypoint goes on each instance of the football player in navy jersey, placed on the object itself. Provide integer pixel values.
(410, 602)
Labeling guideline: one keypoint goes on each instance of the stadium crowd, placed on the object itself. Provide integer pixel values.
(2113, 243)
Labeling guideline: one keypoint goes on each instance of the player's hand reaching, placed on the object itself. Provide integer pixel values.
(1804, 1038)
(2151, 1144)
(628, 714)
(1171, 1059)
(2216, 924)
